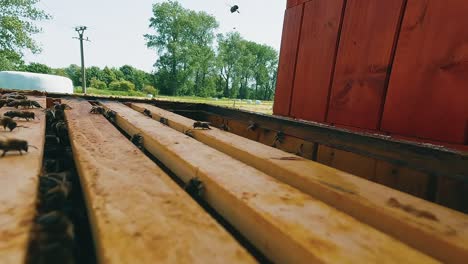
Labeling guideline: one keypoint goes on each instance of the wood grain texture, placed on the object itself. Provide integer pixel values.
(402, 179)
(293, 3)
(364, 200)
(362, 66)
(287, 60)
(349, 162)
(18, 186)
(138, 214)
(316, 59)
(285, 224)
(428, 91)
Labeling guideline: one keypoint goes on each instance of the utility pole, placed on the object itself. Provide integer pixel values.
(80, 31)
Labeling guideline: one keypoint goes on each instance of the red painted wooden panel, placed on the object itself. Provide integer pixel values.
(287, 60)
(292, 3)
(428, 90)
(316, 59)
(365, 53)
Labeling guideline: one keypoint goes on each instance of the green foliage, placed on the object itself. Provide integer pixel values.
(121, 86)
(189, 64)
(149, 89)
(98, 84)
(183, 40)
(17, 18)
(36, 68)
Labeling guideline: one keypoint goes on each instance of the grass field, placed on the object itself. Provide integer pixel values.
(265, 107)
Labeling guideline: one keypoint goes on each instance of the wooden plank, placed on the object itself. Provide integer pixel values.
(362, 67)
(435, 159)
(18, 186)
(287, 60)
(285, 224)
(355, 164)
(316, 59)
(403, 179)
(364, 200)
(453, 194)
(427, 95)
(138, 214)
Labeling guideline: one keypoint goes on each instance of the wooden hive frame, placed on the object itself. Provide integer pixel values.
(264, 210)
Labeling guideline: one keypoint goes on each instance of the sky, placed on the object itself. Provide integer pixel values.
(116, 29)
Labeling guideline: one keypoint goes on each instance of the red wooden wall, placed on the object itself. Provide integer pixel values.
(398, 67)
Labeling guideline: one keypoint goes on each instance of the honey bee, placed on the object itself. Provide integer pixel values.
(8, 122)
(111, 115)
(14, 95)
(164, 121)
(60, 106)
(137, 140)
(24, 103)
(14, 145)
(3, 102)
(195, 188)
(97, 110)
(202, 125)
(20, 114)
(252, 126)
(147, 112)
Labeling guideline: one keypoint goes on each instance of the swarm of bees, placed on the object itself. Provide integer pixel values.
(201, 125)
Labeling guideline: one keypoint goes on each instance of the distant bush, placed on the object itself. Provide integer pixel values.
(98, 84)
(121, 86)
(149, 89)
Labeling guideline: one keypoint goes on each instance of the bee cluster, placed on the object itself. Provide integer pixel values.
(7, 121)
(61, 212)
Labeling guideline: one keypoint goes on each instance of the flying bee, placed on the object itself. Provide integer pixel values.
(14, 145)
(24, 103)
(20, 114)
(147, 112)
(97, 110)
(202, 125)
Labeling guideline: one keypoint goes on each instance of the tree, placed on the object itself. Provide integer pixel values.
(36, 68)
(74, 73)
(17, 19)
(183, 41)
(98, 84)
(121, 86)
(229, 52)
(108, 76)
